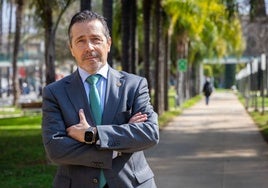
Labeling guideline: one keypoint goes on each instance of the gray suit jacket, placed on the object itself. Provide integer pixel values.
(79, 164)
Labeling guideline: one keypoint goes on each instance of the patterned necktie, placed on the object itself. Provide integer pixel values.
(95, 106)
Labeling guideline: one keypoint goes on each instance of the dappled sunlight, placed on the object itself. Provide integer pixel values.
(236, 153)
(21, 127)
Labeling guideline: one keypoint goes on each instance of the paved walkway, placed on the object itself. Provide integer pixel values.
(214, 146)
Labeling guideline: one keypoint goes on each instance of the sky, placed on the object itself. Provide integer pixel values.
(6, 12)
(244, 7)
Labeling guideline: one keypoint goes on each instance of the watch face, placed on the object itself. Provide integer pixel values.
(89, 136)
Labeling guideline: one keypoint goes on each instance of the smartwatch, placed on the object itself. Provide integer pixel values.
(90, 135)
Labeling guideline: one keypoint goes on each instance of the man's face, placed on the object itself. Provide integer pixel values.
(89, 46)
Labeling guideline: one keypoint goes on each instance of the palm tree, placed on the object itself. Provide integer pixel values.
(1, 40)
(132, 39)
(9, 30)
(202, 30)
(19, 12)
(85, 5)
(1, 28)
(146, 43)
(126, 9)
(46, 11)
(178, 12)
(128, 35)
(166, 63)
(257, 8)
(9, 45)
(159, 61)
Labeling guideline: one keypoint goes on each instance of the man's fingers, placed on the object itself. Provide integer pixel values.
(82, 115)
(83, 121)
(138, 117)
(141, 118)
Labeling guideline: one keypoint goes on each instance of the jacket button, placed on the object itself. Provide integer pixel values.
(95, 180)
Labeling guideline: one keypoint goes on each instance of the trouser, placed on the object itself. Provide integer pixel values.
(207, 100)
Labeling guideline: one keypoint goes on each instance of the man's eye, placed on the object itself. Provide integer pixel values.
(80, 41)
(97, 41)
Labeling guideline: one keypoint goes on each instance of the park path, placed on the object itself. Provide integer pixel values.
(214, 146)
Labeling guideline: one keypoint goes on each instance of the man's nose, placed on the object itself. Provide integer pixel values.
(90, 45)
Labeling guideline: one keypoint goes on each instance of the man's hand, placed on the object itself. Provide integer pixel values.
(137, 118)
(77, 131)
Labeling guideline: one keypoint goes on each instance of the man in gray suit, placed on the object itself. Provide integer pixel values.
(88, 153)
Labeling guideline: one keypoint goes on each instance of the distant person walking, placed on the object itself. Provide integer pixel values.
(207, 90)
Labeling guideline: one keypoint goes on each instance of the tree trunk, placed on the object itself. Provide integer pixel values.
(126, 6)
(187, 82)
(129, 35)
(161, 73)
(132, 32)
(146, 43)
(9, 31)
(16, 51)
(50, 55)
(1, 25)
(50, 32)
(157, 68)
(257, 8)
(179, 88)
(166, 73)
(193, 79)
(107, 10)
(49, 44)
(1, 40)
(159, 61)
(85, 5)
(9, 48)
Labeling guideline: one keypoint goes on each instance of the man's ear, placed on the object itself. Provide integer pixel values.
(109, 43)
(70, 47)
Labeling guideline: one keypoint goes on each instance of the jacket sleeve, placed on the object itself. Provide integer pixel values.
(132, 137)
(60, 148)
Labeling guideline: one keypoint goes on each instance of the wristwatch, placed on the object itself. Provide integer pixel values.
(90, 135)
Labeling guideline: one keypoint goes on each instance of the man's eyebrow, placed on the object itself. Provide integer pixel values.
(91, 36)
(96, 35)
(80, 37)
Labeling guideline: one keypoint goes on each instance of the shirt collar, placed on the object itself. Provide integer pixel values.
(103, 72)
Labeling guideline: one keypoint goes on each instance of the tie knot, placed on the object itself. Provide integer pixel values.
(93, 79)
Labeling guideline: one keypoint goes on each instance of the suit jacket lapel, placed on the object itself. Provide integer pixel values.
(115, 85)
(77, 95)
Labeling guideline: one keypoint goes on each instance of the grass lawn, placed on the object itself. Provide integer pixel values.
(262, 122)
(261, 119)
(22, 160)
